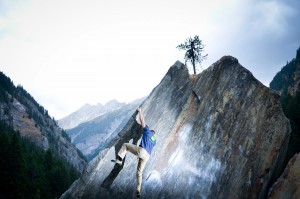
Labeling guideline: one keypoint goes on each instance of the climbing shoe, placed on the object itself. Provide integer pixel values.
(138, 194)
(119, 162)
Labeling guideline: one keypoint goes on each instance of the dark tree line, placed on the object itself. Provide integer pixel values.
(29, 172)
(291, 109)
(285, 79)
(6, 85)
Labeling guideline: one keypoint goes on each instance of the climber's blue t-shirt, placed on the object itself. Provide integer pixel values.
(148, 139)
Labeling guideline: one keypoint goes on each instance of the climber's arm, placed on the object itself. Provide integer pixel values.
(139, 110)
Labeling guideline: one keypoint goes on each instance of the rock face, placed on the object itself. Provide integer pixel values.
(45, 135)
(288, 185)
(221, 134)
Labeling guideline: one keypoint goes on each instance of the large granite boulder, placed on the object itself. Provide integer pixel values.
(221, 134)
(288, 185)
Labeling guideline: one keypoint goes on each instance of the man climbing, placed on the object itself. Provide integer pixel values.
(142, 151)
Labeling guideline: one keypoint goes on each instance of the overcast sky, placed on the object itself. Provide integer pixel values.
(66, 53)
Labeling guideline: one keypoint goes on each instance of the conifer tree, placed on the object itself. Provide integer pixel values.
(193, 47)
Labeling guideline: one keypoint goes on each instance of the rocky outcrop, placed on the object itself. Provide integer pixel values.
(27, 126)
(288, 185)
(221, 134)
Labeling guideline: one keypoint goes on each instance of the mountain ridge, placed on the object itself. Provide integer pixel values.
(86, 113)
(287, 80)
(19, 110)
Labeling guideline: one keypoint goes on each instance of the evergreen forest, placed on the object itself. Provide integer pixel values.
(287, 78)
(291, 109)
(27, 171)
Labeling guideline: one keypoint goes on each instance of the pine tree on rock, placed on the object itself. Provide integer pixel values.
(193, 47)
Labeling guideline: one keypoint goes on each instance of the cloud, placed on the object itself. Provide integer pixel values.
(92, 51)
(272, 17)
(263, 35)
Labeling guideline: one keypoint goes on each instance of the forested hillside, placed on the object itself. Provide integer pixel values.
(291, 108)
(20, 111)
(37, 159)
(27, 171)
(287, 82)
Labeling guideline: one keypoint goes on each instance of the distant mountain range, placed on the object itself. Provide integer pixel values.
(88, 112)
(92, 127)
